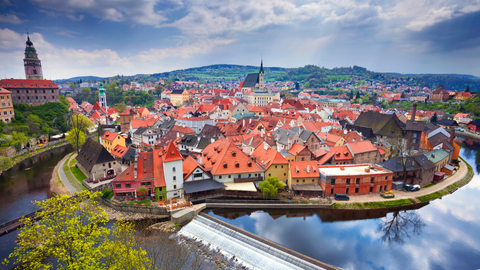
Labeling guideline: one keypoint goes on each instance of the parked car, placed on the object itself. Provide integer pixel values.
(415, 188)
(341, 197)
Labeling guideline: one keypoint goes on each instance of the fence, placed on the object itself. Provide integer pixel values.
(136, 209)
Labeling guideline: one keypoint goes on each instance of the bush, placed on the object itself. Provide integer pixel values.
(107, 193)
(5, 162)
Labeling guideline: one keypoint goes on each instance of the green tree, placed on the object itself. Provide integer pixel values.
(270, 187)
(120, 107)
(467, 89)
(71, 233)
(288, 95)
(76, 138)
(434, 118)
(80, 122)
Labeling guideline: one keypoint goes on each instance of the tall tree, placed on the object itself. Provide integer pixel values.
(79, 125)
(71, 233)
(434, 118)
(467, 89)
(399, 226)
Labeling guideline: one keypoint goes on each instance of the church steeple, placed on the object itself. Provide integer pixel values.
(33, 65)
(261, 67)
(261, 77)
(102, 98)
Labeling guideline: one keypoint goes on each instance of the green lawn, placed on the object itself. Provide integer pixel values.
(78, 174)
(72, 162)
(76, 182)
(145, 203)
(429, 185)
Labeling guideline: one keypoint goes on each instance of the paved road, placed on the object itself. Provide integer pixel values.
(64, 179)
(407, 195)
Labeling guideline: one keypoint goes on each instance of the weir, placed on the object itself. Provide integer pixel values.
(250, 249)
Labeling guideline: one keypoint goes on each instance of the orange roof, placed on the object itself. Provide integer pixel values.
(222, 157)
(189, 165)
(296, 148)
(330, 139)
(352, 136)
(325, 158)
(184, 130)
(19, 83)
(362, 147)
(268, 157)
(96, 106)
(158, 176)
(142, 123)
(119, 150)
(304, 169)
(171, 154)
(95, 115)
(341, 153)
(110, 136)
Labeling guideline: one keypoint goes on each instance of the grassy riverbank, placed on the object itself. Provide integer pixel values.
(450, 188)
(17, 159)
(371, 205)
(74, 179)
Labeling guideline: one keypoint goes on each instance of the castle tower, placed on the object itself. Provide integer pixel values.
(33, 65)
(102, 98)
(261, 79)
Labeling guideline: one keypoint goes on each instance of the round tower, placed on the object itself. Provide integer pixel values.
(102, 98)
(33, 65)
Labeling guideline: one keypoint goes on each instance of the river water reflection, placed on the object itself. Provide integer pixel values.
(444, 234)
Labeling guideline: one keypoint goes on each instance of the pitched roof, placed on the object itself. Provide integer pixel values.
(296, 148)
(341, 153)
(447, 122)
(93, 153)
(304, 169)
(184, 130)
(268, 157)
(110, 136)
(96, 106)
(381, 124)
(22, 83)
(171, 153)
(189, 165)
(119, 151)
(222, 157)
(362, 147)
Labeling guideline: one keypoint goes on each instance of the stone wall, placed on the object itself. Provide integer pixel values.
(136, 209)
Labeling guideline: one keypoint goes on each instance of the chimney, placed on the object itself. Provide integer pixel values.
(414, 111)
(452, 135)
(243, 122)
(265, 146)
(250, 120)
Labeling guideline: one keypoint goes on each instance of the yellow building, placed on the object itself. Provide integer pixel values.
(6, 110)
(274, 163)
(178, 97)
(112, 139)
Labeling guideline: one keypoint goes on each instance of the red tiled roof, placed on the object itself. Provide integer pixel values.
(71, 100)
(119, 150)
(36, 84)
(110, 136)
(341, 153)
(95, 115)
(184, 130)
(325, 158)
(189, 165)
(4, 91)
(268, 157)
(296, 148)
(171, 153)
(96, 106)
(362, 147)
(222, 157)
(304, 169)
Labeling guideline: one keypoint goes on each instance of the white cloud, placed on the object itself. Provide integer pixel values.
(10, 18)
(140, 11)
(59, 62)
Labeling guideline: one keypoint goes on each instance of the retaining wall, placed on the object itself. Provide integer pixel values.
(137, 209)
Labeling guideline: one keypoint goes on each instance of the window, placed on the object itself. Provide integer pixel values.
(118, 185)
(220, 177)
(303, 180)
(143, 183)
(175, 186)
(313, 180)
(173, 169)
(229, 176)
(348, 181)
(358, 181)
(197, 175)
(103, 165)
(372, 179)
(284, 174)
(128, 185)
(174, 178)
(149, 183)
(298, 180)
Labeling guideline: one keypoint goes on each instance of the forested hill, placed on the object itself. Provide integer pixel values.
(311, 75)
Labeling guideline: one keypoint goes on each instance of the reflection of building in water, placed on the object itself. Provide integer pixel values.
(326, 215)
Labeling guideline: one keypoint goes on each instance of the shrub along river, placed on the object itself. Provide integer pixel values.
(444, 234)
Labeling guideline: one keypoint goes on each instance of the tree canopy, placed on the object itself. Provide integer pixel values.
(270, 187)
(71, 234)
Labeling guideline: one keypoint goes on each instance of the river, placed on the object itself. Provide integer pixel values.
(25, 182)
(444, 234)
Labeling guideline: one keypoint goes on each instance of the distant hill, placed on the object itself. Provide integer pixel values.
(82, 78)
(310, 75)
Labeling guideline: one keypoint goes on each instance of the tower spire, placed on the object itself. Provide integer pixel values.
(261, 66)
(33, 65)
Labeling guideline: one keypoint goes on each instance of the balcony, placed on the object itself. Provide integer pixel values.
(247, 179)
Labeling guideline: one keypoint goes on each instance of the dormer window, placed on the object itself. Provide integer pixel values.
(23, 84)
(249, 164)
(225, 165)
(234, 154)
(38, 85)
(237, 165)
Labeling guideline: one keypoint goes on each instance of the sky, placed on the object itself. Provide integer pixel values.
(109, 37)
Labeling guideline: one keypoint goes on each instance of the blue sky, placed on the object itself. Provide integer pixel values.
(109, 37)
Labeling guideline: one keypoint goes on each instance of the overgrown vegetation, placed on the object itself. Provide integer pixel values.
(469, 106)
(270, 187)
(107, 193)
(368, 205)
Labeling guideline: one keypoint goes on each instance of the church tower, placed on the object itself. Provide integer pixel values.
(261, 78)
(102, 98)
(33, 65)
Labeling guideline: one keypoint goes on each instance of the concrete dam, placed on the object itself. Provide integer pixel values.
(254, 251)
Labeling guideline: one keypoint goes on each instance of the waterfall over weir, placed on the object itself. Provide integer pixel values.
(251, 250)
